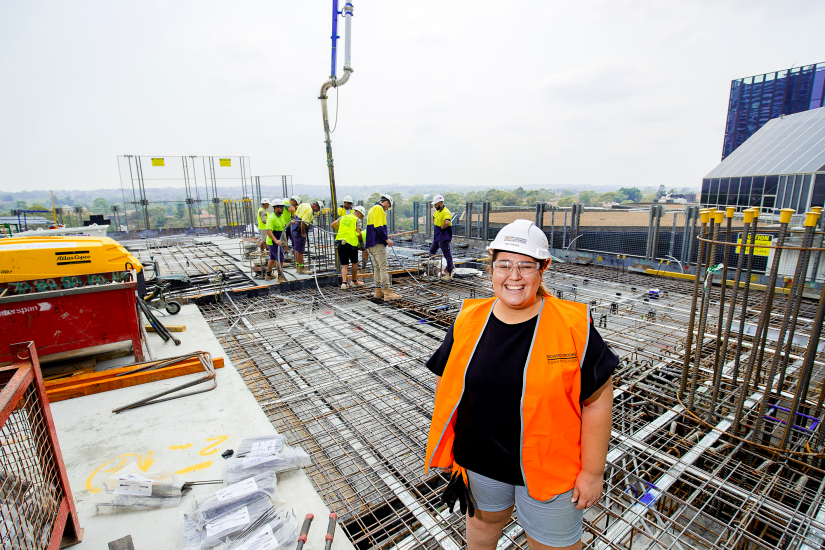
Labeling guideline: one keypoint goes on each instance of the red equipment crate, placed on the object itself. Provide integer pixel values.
(72, 319)
(36, 506)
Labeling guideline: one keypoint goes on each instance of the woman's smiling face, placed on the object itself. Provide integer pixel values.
(515, 290)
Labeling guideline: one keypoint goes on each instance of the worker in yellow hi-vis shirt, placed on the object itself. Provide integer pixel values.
(443, 234)
(304, 216)
(262, 215)
(378, 240)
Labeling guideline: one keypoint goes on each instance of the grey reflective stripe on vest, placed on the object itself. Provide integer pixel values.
(586, 339)
(523, 392)
(464, 379)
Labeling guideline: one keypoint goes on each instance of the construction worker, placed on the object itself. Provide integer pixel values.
(348, 239)
(347, 208)
(275, 224)
(523, 404)
(377, 242)
(291, 204)
(304, 216)
(262, 215)
(443, 234)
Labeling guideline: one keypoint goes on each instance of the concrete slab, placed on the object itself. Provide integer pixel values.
(185, 435)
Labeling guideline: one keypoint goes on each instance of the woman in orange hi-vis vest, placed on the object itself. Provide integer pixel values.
(523, 406)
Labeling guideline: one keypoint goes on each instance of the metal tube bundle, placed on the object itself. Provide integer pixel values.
(705, 216)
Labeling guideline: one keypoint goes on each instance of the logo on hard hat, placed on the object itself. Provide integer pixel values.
(512, 239)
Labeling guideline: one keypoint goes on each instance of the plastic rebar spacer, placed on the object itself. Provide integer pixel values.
(785, 215)
(731, 210)
(748, 215)
(718, 216)
(811, 218)
(704, 215)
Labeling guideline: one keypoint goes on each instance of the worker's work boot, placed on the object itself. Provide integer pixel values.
(379, 293)
(447, 276)
(268, 277)
(390, 295)
(282, 279)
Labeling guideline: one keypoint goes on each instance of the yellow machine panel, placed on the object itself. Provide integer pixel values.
(58, 257)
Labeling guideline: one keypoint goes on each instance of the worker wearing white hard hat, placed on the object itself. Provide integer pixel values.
(275, 225)
(346, 208)
(522, 414)
(303, 219)
(378, 240)
(290, 204)
(348, 239)
(263, 212)
(442, 235)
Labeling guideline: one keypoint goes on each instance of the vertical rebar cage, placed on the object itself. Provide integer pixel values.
(36, 506)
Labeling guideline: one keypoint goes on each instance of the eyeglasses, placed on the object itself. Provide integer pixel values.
(505, 267)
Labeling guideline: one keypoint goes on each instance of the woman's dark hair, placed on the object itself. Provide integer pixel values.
(542, 290)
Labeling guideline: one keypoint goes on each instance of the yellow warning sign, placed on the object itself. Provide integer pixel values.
(157, 162)
(764, 240)
(226, 162)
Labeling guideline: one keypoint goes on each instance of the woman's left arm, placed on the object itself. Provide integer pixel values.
(597, 420)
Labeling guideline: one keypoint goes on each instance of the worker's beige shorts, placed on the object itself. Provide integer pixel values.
(262, 234)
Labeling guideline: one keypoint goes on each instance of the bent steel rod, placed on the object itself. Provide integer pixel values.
(749, 250)
(715, 221)
(755, 359)
(689, 341)
(788, 327)
(731, 312)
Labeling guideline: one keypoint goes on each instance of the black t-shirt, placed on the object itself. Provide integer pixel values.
(488, 422)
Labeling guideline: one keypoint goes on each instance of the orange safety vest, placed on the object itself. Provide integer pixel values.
(550, 409)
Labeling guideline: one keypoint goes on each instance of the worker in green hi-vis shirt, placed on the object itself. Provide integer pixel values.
(262, 215)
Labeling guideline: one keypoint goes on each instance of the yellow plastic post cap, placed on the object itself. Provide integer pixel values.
(811, 218)
(731, 210)
(704, 215)
(719, 216)
(756, 212)
(785, 215)
(817, 209)
(748, 215)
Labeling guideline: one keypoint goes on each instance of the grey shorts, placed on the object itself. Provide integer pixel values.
(262, 233)
(554, 522)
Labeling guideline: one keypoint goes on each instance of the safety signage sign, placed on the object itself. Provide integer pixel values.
(764, 240)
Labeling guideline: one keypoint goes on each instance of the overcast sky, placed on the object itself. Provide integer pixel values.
(458, 93)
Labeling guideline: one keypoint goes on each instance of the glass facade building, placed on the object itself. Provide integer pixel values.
(781, 166)
(757, 99)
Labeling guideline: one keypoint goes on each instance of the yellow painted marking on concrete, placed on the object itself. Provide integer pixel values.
(116, 468)
(196, 467)
(179, 447)
(210, 450)
(143, 464)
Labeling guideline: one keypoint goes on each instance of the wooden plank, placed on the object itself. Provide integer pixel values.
(111, 373)
(170, 328)
(72, 389)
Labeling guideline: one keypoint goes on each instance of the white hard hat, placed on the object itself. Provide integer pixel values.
(295, 198)
(265, 201)
(437, 199)
(278, 202)
(348, 199)
(522, 237)
(387, 197)
(361, 210)
(319, 202)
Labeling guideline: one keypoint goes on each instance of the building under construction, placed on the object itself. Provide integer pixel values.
(718, 400)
